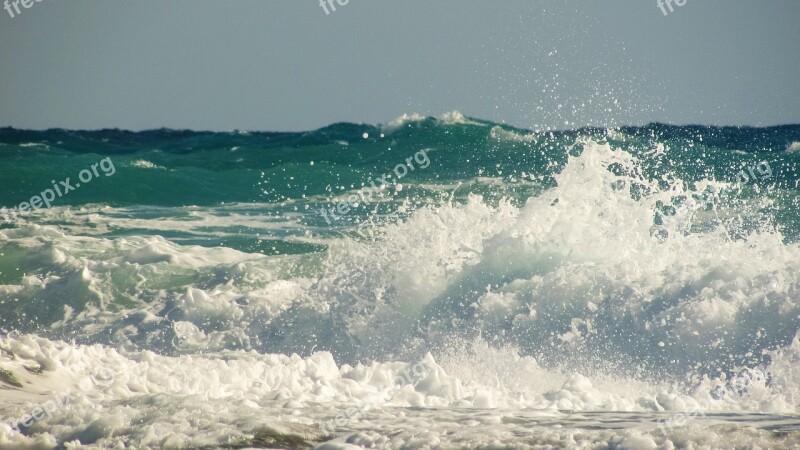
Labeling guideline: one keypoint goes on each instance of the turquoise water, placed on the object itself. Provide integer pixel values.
(168, 168)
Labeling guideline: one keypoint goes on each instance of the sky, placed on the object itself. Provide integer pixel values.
(279, 65)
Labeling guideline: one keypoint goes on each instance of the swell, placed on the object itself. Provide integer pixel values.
(205, 168)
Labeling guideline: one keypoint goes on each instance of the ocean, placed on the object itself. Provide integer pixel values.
(424, 283)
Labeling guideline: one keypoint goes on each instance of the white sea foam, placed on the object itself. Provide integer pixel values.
(457, 118)
(144, 164)
(504, 135)
(401, 121)
(155, 401)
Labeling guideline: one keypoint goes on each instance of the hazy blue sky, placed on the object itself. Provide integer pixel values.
(286, 65)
